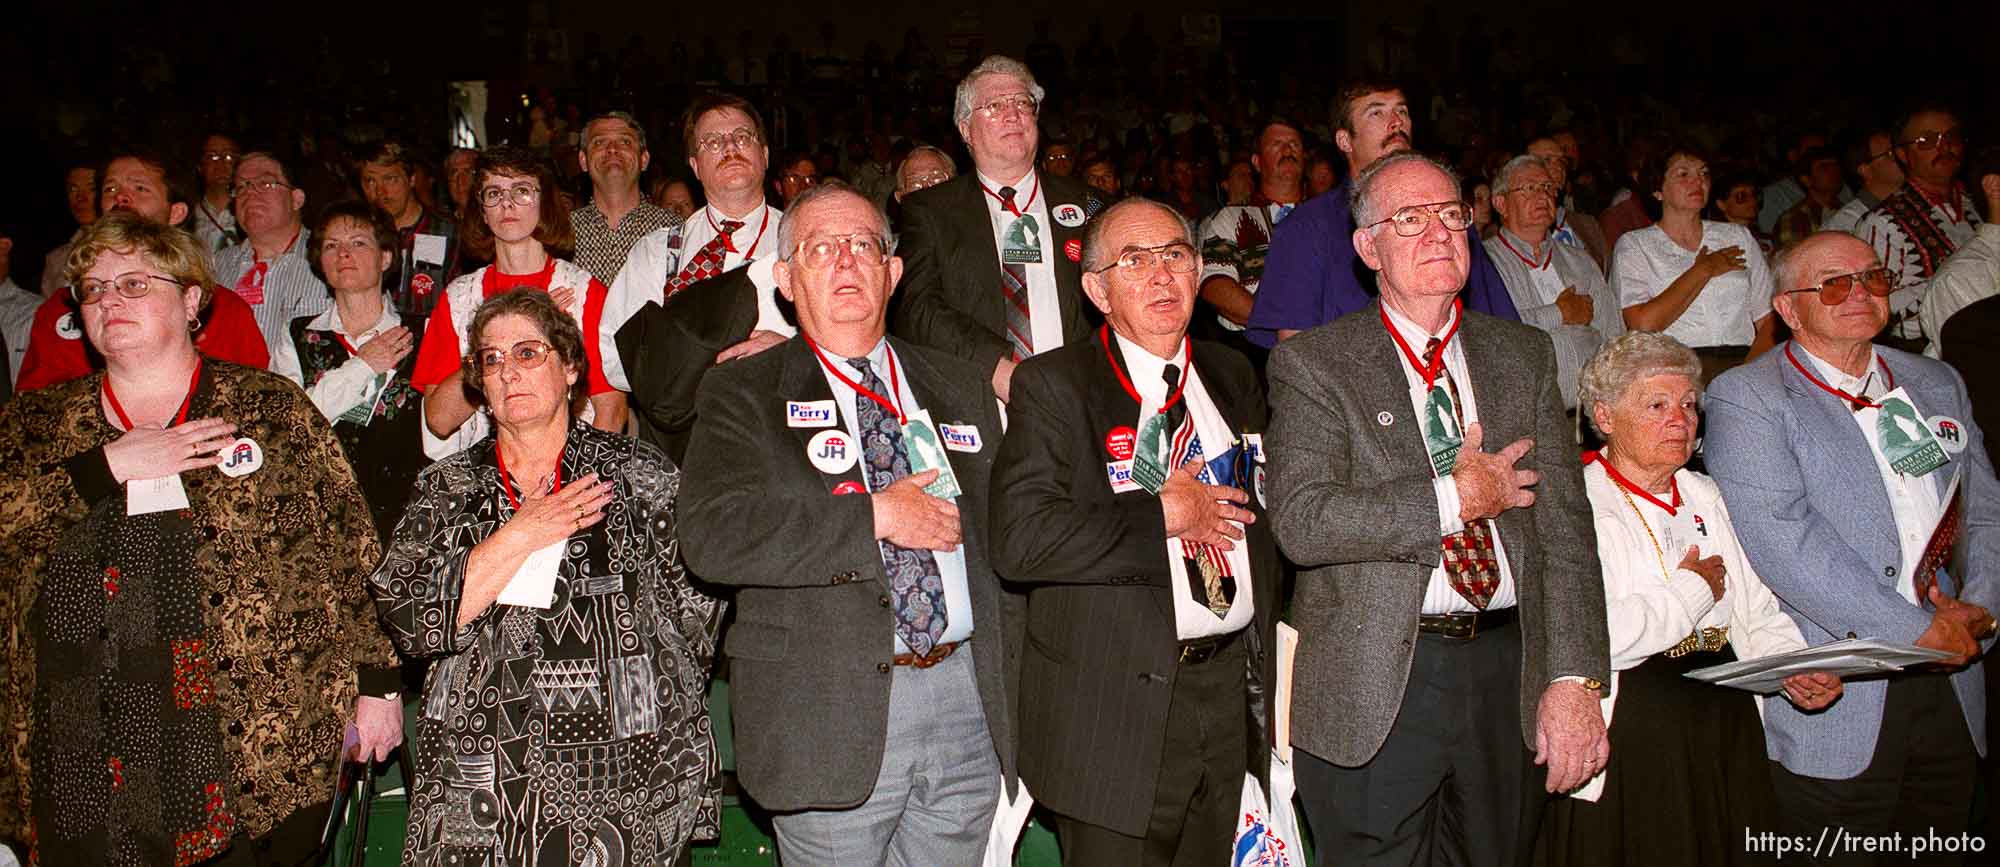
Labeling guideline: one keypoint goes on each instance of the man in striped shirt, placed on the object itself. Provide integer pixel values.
(271, 270)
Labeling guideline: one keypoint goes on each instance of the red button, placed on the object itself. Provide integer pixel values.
(1119, 442)
(849, 487)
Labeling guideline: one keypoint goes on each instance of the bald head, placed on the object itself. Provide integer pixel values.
(1806, 266)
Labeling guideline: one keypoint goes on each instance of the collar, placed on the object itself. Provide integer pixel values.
(749, 221)
(1414, 334)
(1838, 378)
(1148, 370)
(1021, 187)
(299, 242)
(1533, 251)
(329, 319)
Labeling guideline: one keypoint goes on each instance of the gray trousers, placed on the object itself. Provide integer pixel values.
(934, 797)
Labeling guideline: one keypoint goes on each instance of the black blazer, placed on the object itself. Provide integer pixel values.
(1101, 650)
(949, 298)
(1967, 343)
(812, 645)
(669, 348)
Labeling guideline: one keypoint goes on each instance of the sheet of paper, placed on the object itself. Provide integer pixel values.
(146, 496)
(1281, 697)
(1847, 658)
(534, 584)
(429, 248)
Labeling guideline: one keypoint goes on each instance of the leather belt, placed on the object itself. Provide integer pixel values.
(936, 655)
(1196, 651)
(1466, 626)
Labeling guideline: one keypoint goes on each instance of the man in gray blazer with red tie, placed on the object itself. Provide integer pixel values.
(1450, 607)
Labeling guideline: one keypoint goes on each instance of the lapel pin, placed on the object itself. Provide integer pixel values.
(1384, 419)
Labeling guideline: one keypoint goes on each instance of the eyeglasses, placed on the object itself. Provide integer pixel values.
(1007, 105)
(526, 355)
(134, 285)
(1933, 140)
(1058, 158)
(1833, 290)
(260, 187)
(740, 138)
(1544, 187)
(927, 180)
(801, 180)
(817, 253)
(218, 158)
(520, 194)
(1416, 219)
(1138, 262)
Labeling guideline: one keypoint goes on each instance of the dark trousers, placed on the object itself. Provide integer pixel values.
(1200, 785)
(1919, 782)
(292, 844)
(1453, 784)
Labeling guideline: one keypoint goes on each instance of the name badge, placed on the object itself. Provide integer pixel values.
(960, 437)
(809, 413)
(241, 458)
(1149, 461)
(1442, 437)
(1068, 216)
(428, 248)
(534, 583)
(1120, 475)
(146, 496)
(927, 453)
(1021, 244)
(1905, 438)
(831, 452)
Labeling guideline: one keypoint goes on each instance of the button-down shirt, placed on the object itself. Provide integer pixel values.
(1913, 500)
(1044, 304)
(17, 321)
(1313, 276)
(352, 383)
(290, 289)
(1726, 311)
(1192, 617)
(1534, 290)
(1439, 596)
(601, 249)
(951, 564)
(662, 254)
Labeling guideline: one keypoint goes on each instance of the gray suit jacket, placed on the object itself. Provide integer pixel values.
(1802, 488)
(812, 646)
(1352, 505)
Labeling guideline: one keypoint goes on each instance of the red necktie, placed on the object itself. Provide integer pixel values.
(250, 287)
(707, 261)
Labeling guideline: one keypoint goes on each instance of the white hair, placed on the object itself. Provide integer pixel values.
(1367, 211)
(995, 64)
(1503, 180)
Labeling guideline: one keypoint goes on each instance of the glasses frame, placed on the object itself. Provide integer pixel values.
(511, 356)
(1136, 270)
(1847, 283)
(741, 138)
(1932, 141)
(238, 190)
(1024, 103)
(83, 297)
(520, 195)
(846, 243)
(1429, 210)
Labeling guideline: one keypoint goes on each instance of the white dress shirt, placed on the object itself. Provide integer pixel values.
(17, 321)
(661, 255)
(1439, 596)
(1044, 303)
(1192, 617)
(1725, 312)
(951, 564)
(1971, 274)
(352, 383)
(1912, 499)
(290, 288)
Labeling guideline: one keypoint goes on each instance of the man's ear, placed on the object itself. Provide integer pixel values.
(1344, 140)
(1364, 246)
(781, 271)
(1098, 292)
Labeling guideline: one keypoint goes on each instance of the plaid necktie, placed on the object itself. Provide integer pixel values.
(916, 591)
(1014, 285)
(1208, 574)
(1469, 562)
(707, 261)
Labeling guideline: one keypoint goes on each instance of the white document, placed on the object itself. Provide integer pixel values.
(1281, 694)
(146, 496)
(429, 248)
(1847, 658)
(534, 584)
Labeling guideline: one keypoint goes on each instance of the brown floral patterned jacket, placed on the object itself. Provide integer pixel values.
(283, 558)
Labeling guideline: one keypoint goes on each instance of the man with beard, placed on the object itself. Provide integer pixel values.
(1313, 275)
(427, 258)
(272, 269)
(1235, 239)
(1919, 226)
(615, 155)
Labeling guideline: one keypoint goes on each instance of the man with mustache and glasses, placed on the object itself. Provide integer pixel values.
(685, 302)
(618, 216)
(1919, 226)
(1235, 239)
(1313, 275)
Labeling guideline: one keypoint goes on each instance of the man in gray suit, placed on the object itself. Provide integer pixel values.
(1851, 519)
(867, 658)
(1450, 608)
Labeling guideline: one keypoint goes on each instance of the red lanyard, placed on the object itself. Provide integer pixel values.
(1857, 403)
(895, 384)
(1673, 484)
(489, 283)
(111, 397)
(729, 243)
(507, 482)
(1527, 261)
(1010, 206)
(1125, 382)
(1429, 371)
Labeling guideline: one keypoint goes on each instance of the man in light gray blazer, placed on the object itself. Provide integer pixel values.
(1838, 521)
(1450, 608)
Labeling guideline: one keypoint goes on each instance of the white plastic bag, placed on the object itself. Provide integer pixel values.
(1267, 829)
(1010, 818)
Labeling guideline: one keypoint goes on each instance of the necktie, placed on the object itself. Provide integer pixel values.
(916, 592)
(1208, 573)
(1469, 562)
(250, 287)
(1014, 285)
(707, 261)
(1283, 212)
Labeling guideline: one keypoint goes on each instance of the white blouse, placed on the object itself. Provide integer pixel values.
(1725, 312)
(1652, 605)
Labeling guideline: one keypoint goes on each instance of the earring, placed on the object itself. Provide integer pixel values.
(194, 325)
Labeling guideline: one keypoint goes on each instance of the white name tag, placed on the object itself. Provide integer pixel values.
(146, 496)
(1254, 444)
(428, 248)
(1120, 475)
(534, 584)
(809, 413)
(960, 437)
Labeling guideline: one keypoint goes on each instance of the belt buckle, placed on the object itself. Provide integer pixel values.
(1463, 627)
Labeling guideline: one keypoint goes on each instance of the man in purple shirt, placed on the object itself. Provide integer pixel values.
(1312, 276)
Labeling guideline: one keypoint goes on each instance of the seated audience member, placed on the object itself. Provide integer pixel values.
(1735, 201)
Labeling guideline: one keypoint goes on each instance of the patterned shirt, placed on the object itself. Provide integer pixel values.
(1914, 235)
(1234, 241)
(601, 249)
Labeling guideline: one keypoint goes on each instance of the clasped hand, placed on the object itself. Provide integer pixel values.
(908, 517)
(156, 453)
(1487, 483)
(1197, 512)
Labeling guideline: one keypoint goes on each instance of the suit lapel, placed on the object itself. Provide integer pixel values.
(1843, 453)
(946, 407)
(803, 381)
(1385, 393)
(1932, 398)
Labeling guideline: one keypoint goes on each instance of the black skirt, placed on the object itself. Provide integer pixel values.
(1687, 776)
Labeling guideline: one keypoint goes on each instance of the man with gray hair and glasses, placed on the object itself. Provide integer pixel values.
(992, 256)
(1555, 286)
(867, 458)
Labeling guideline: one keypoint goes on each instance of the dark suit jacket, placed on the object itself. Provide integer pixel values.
(1969, 344)
(950, 298)
(1352, 505)
(1100, 653)
(669, 348)
(813, 642)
